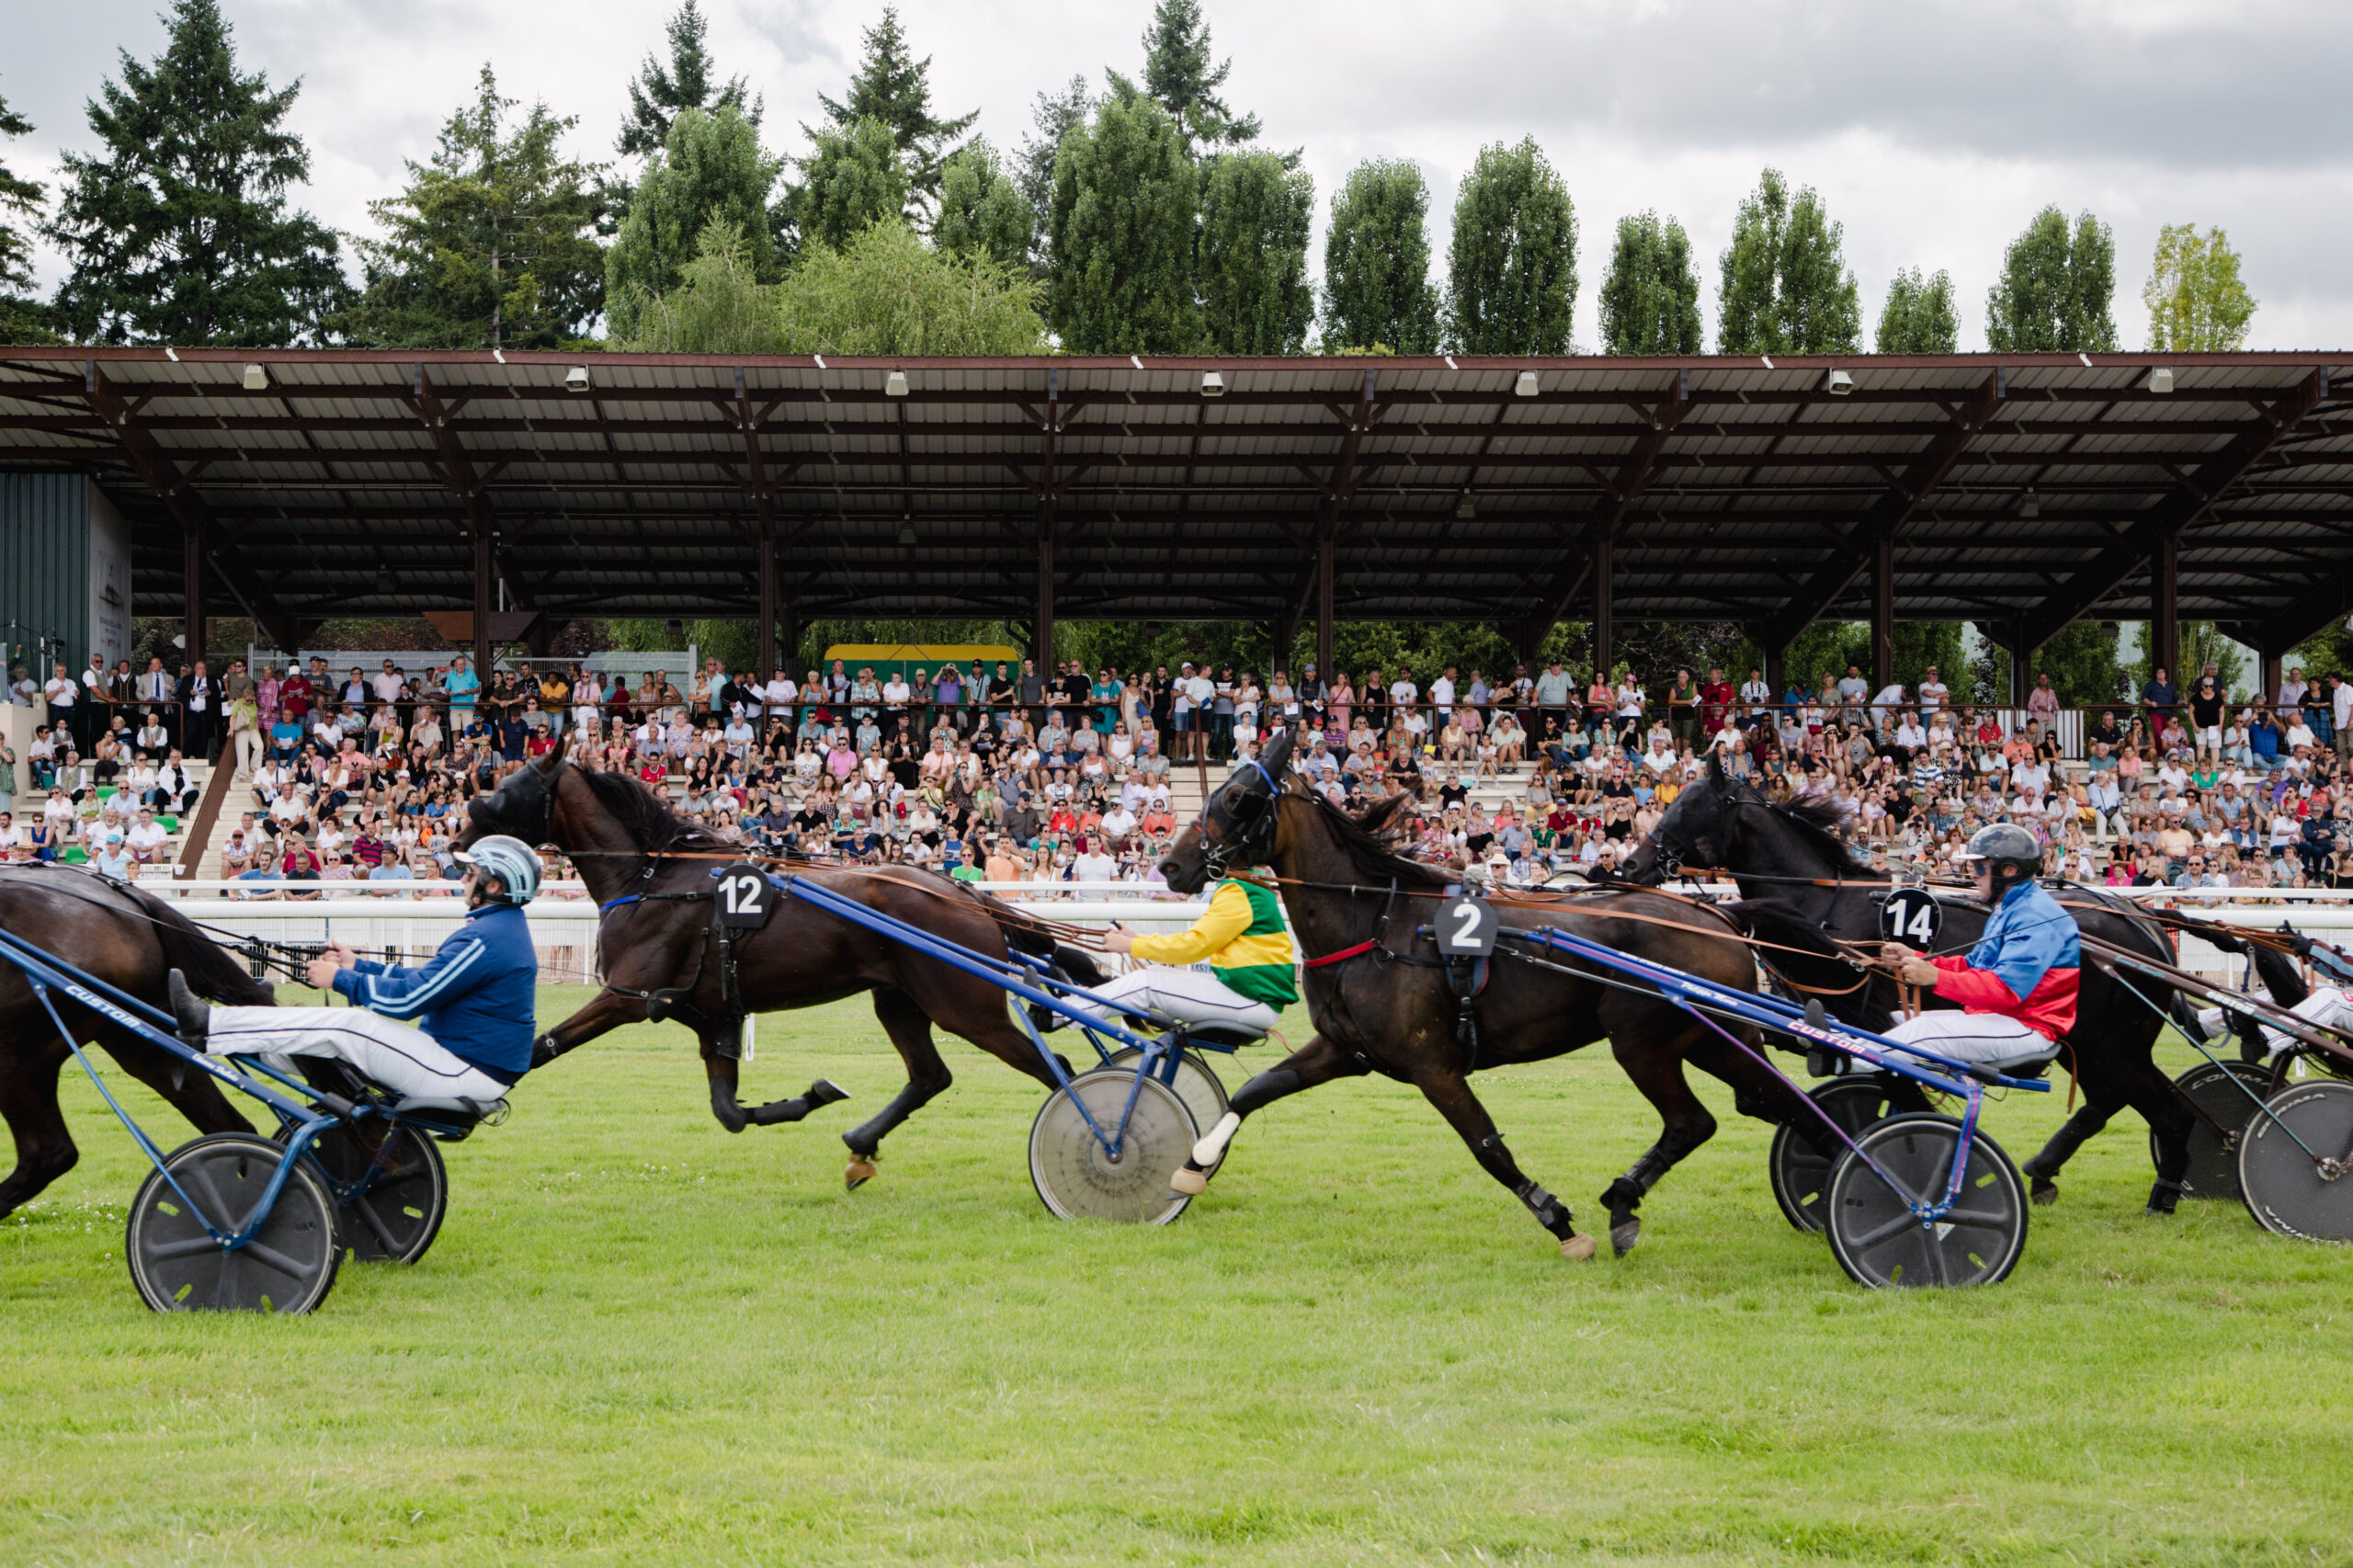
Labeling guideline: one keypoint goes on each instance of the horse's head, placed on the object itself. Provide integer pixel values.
(523, 806)
(1236, 827)
(1698, 830)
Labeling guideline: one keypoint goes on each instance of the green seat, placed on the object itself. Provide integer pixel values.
(169, 825)
(72, 857)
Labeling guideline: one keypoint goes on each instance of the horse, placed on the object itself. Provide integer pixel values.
(1799, 884)
(131, 940)
(652, 871)
(1381, 1001)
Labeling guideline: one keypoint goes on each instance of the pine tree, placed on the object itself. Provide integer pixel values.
(981, 212)
(178, 230)
(660, 94)
(1126, 198)
(710, 170)
(1256, 215)
(1180, 75)
(1920, 317)
(1054, 115)
(1650, 297)
(1377, 289)
(894, 87)
(1785, 288)
(2055, 287)
(20, 317)
(2196, 303)
(851, 179)
(492, 245)
(1513, 264)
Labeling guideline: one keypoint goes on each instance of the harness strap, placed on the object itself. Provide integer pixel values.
(1344, 955)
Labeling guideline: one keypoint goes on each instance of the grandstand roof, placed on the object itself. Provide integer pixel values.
(2018, 489)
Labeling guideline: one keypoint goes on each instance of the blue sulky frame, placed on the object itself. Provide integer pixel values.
(1702, 997)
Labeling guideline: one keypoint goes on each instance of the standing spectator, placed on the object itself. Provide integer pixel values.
(199, 696)
(60, 693)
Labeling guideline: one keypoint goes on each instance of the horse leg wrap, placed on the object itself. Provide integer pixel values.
(544, 1050)
(1267, 1087)
(2062, 1147)
(822, 1093)
(2253, 1047)
(1550, 1211)
(2162, 1196)
(731, 1115)
(1212, 1147)
(1623, 1197)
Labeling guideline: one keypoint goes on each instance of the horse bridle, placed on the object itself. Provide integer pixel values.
(537, 795)
(1671, 852)
(1246, 833)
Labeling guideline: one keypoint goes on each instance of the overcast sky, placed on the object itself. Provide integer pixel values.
(1934, 128)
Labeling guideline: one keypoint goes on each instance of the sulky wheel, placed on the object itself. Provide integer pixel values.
(1876, 1238)
(288, 1266)
(1197, 1083)
(389, 1197)
(2226, 1093)
(2289, 1194)
(1080, 1179)
(1799, 1173)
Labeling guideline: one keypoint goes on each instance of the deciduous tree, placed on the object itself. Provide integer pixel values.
(492, 244)
(2054, 289)
(178, 230)
(1256, 215)
(2196, 302)
(981, 211)
(1377, 289)
(660, 93)
(1785, 288)
(1650, 297)
(894, 87)
(1513, 266)
(1920, 317)
(710, 170)
(1121, 249)
(851, 179)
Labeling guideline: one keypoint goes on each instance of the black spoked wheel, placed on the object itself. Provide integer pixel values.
(1799, 1173)
(1878, 1239)
(1197, 1085)
(288, 1266)
(391, 1198)
(1078, 1178)
(2225, 1093)
(2289, 1194)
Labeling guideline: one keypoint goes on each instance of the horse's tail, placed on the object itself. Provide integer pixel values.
(210, 971)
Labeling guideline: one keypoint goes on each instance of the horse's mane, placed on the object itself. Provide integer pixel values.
(645, 817)
(1371, 839)
(1818, 815)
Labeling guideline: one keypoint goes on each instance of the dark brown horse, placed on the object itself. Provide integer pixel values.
(130, 940)
(1799, 885)
(1391, 1009)
(651, 870)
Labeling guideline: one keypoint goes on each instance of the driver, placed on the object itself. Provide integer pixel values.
(2017, 986)
(474, 1003)
(1252, 975)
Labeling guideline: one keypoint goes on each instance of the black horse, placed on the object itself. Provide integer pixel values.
(652, 872)
(1390, 1008)
(131, 940)
(1800, 884)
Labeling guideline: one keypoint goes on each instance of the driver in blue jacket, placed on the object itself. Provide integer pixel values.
(2016, 987)
(472, 1005)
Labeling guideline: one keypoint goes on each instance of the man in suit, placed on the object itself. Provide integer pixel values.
(160, 693)
(199, 696)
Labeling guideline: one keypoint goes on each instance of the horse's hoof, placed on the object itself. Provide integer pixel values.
(1578, 1248)
(1623, 1237)
(1190, 1182)
(2044, 1193)
(858, 1174)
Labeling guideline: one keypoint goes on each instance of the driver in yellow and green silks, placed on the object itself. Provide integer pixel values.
(1253, 971)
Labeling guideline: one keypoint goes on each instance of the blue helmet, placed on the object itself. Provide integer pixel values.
(511, 861)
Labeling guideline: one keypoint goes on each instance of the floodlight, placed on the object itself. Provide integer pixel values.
(2161, 378)
(896, 384)
(385, 582)
(257, 378)
(575, 380)
(1212, 384)
(1526, 386)
(907, 533)
(1466, 508)
(1838, 383)
(673, 627)
(2027, 506)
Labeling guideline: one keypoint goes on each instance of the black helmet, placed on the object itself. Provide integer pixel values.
(2013, 854)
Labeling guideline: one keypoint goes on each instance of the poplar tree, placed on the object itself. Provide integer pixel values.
(177, 230)
(1053, 117)
(709, 170)
(1920, 317)
(659, 94)
(894, 87)
(1650, 297)
(1126, 198)
(982, 212)
(2054, 289)
(1182, 74)
(1513, 264)
(2196, 303)
(1785, 287)
(1377, 291)
(851, 179)
(20, 316)
(492, 244)
(1256, 215)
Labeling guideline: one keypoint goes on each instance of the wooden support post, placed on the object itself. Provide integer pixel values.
(2021, 663)
(1042, 632)
(787, 653)
(192, 591)
(483, 578)
(1326, 550)
(764, 660)
(2268, 662)
(2165, 610)
(1883, 608)
(1604, 649)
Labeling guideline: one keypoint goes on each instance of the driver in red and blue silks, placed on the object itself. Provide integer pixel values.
(2016, 987)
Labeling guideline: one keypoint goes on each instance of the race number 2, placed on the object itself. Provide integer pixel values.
(1466, 929)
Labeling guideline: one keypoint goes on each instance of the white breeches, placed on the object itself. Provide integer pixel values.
(2328, 1007)
(1974, 1037)
(1195, 996)
(398, 1056)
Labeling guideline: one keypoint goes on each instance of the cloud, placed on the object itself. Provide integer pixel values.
(1934, 128)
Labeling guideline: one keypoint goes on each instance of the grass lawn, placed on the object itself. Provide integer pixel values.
(641, 1341)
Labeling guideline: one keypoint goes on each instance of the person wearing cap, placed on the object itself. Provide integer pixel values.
(2016, 987)
(472, 1003)
(1253, 971)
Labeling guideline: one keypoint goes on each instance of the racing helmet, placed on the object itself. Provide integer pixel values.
(2013, 854)
(510, 860)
